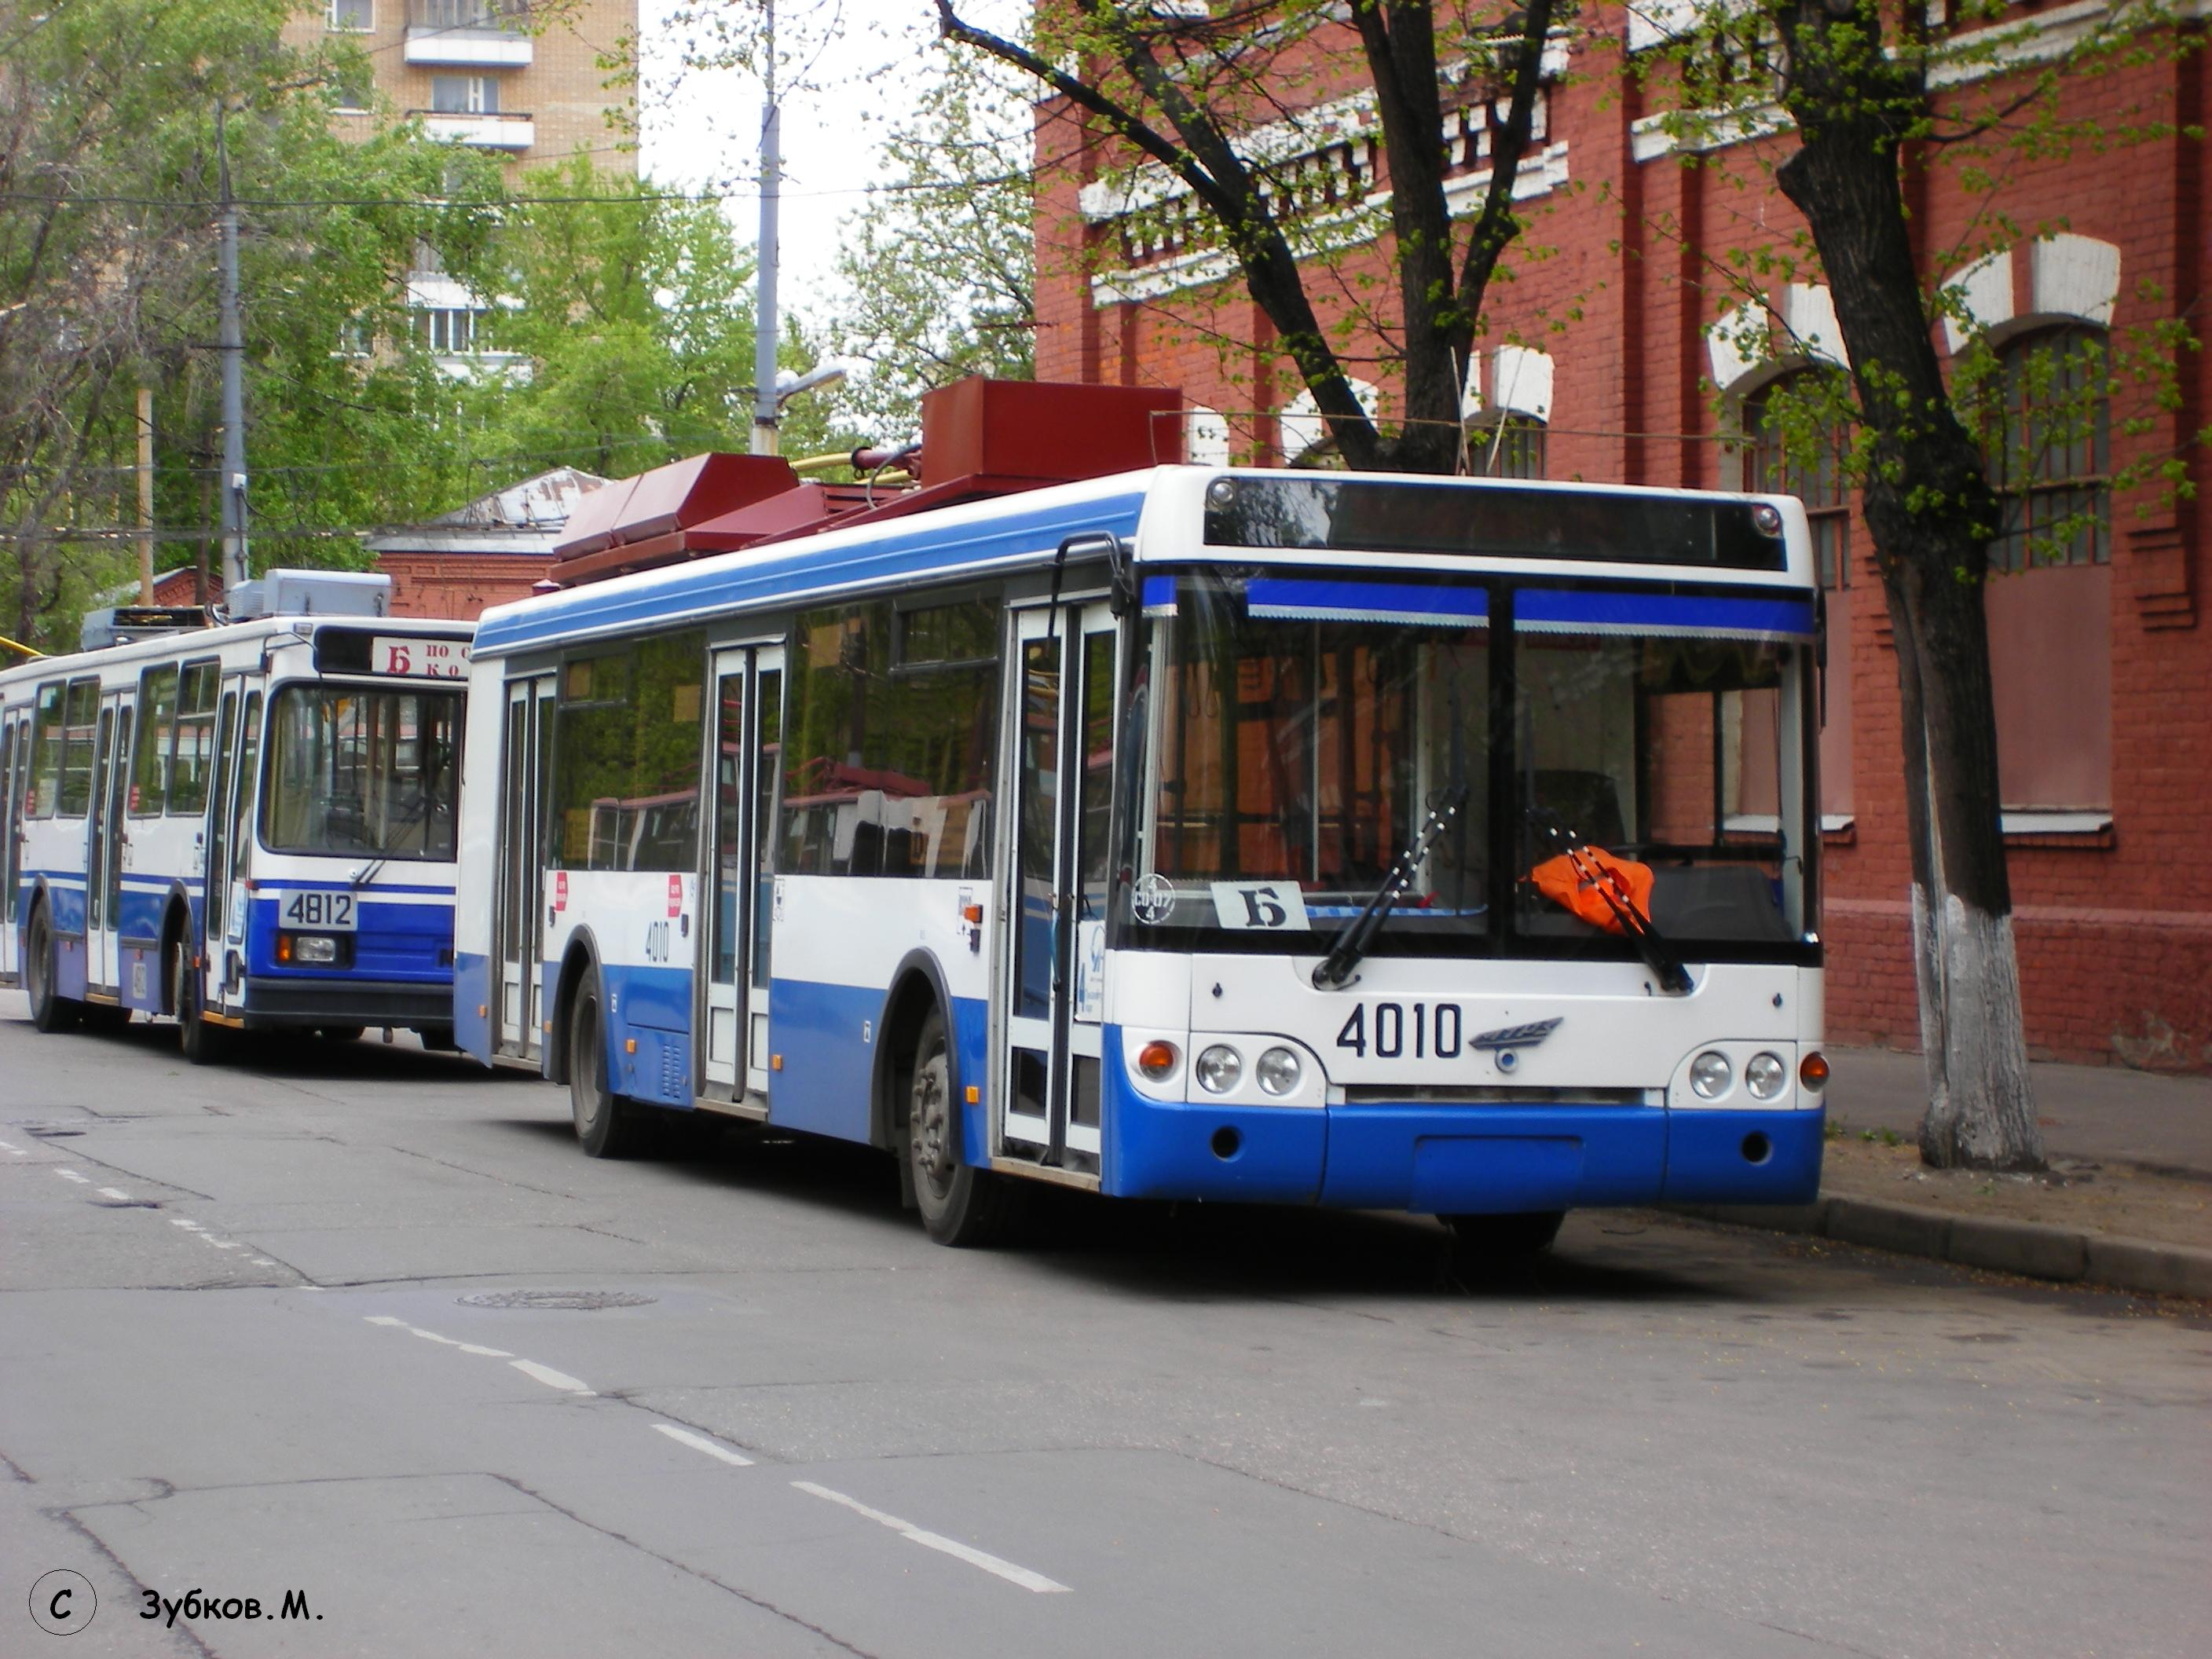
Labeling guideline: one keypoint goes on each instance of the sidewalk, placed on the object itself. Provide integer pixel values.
(2127, 1202)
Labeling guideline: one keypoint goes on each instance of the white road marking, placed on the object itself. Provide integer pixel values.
(386, 1319)
(700, 1443)
(552, 1378)
(431, 1336)
(974, 1558)
(111, 1192)
(263, 1262)
(18, 1151)
(179, 1221)
(72, 1175)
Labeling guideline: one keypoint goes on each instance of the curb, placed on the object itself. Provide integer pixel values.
(2028, 1248)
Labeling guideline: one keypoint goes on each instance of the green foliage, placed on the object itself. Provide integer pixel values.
(107, 283)
(940, 264)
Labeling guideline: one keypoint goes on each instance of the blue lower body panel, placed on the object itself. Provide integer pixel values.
(1453, 1159)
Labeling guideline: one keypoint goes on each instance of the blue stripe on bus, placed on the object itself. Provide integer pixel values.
(1453, 1159)
(1707, 616)
(392, 942)
(1302, 599)
(786, 574)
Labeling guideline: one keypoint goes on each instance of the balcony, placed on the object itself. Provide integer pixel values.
(512, 129)
(472, 34)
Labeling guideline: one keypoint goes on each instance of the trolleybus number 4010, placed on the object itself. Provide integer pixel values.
(331, 912)
(1423, 1029)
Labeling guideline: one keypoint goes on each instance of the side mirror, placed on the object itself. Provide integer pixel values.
(1120, 579)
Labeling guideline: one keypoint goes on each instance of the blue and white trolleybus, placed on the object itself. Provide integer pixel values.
(1447, 845)
(245, 826)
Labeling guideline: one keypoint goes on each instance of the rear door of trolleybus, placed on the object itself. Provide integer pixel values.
(1053, 886)
(521, 917)
(105, 833)
(14, 807)
(744, 761)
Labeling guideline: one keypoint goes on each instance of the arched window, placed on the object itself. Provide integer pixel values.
(2051, 461)
(1508, 444)
(1815, 473)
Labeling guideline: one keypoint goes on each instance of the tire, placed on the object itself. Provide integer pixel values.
(605, 1125)
(50, 1010)
(961, 1205)
(200, 1042)
(1483, 1244)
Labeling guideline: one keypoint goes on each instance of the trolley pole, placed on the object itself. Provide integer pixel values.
(231, 491)
(765, 319)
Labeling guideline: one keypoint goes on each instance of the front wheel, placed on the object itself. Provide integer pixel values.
(604, 1125)
(200, 1039)
(50, 1010)
(960, 1204)
(1483, 1244)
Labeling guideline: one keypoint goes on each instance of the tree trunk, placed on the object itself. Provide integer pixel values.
(1931, 512)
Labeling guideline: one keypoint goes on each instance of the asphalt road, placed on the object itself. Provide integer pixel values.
(251, 1346)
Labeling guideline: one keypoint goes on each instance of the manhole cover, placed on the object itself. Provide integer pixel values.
(562, 1301)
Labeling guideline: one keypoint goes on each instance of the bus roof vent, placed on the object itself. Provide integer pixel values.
(119, 624)
(313, 593)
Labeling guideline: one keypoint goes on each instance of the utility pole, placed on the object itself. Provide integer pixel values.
(145, 494)
(231, 488)
(765, 319)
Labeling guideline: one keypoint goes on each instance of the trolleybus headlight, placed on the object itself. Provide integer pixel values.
(1813, 1070)
(315, 948)
(1156, 1060)
(1710, 1075)
(1278, 1071)
(1219, 1069)
(1765, 1076)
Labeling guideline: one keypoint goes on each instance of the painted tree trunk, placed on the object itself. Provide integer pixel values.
(1931, 512)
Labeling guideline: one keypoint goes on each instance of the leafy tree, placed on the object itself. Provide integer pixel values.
(1860, 93)
(1177, 85)
(941, 263)
(107, 238)
(626, 316)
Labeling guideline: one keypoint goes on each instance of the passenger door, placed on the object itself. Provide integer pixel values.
(1053, 886)
(519, 926)
(744, 764)
(105, 821)
(15, 785)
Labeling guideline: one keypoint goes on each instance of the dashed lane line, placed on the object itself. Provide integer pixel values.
(553, 1379)
(529, 1368)
(996, 1566)
(115, 1193)
(72, 1175)
(700, 1443)
(431, 1336)
(17, 1150)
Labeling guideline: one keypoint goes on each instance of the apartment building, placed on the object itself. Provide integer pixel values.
(525, 82)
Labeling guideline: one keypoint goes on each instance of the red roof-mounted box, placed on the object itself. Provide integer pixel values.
(1048, 431)
(672, 499)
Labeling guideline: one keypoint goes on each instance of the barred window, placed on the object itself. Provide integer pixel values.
(1506, 445)
(2051, 463)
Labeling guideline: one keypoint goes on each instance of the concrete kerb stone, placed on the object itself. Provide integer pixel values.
(2031, 1250)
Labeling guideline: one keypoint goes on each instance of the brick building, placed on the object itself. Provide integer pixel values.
(493, 550)
(1618, 357)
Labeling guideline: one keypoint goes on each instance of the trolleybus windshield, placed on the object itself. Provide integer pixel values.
(1297, 733)
(355, 770)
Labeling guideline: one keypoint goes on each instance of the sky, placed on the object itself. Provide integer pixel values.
(849, 65)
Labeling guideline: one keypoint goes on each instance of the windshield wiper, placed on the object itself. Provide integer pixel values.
(1660, 957)
(1344, 956)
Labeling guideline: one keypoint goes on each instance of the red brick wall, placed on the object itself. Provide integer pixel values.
(459, 586)
(2115, 929)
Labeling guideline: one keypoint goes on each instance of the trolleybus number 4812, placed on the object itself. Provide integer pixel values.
(333, 912)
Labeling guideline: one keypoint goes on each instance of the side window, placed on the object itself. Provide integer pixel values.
(157, 713)
(889, 740)
(46, 751)
(81, 713)
(627, 743)
(195, 741)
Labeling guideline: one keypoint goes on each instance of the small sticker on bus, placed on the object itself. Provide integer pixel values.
(675, 896)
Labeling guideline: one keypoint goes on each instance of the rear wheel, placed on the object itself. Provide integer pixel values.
(605, 1123)
(50, 1010)
(960, 1204)
(201, 1042)
(1483, 1244)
